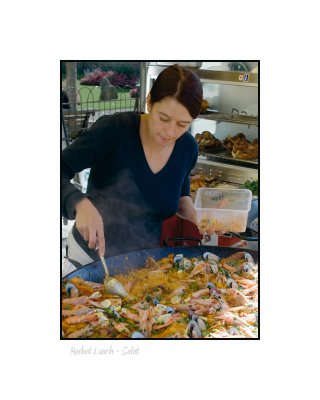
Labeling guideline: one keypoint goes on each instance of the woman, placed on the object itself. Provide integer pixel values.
(140, 167)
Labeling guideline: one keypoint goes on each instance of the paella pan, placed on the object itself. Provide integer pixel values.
(172, 293)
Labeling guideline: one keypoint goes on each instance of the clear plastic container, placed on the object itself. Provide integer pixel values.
(223, 209)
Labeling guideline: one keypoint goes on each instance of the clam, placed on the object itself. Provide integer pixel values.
(161, 307)
(105, 303)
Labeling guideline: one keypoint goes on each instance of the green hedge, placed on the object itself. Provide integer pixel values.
(125, 67)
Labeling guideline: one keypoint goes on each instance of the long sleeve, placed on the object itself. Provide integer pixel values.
(86, 152)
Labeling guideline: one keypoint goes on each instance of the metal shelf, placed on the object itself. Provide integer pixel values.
(213, 76)
(233, 118)
(226, 158)
(227, 77)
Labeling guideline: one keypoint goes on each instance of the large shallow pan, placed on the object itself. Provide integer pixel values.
(123, 263)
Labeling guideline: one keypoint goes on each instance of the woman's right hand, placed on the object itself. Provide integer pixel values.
(90, 225)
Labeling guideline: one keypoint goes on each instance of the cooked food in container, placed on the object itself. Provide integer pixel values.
(207, 141)
(241, 148)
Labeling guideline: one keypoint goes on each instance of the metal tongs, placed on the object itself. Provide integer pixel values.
(112, 285)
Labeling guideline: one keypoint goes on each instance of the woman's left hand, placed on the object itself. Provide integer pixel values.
(187, 211)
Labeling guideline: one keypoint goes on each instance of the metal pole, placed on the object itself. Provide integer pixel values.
(143, 85)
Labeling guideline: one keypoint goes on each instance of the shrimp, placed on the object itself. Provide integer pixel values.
(130, 284)
(235, 298)
(231, 318)
(199, 293)
(200, 267)
(247, 331)
(247, 266)
(122, 328)
(167, 322)
(203, 302)
(75, 300)
(184, 307)
(84, 332)
(127, 314)
(78, 310)
(92, 285)
(146, 321)
(79, 319)
(152, 263)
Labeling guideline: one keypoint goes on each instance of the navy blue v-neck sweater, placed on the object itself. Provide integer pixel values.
(132, 200)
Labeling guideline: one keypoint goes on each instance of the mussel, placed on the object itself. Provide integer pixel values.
(210, 256)
(193, 330)
(71, 290)
(137, 335)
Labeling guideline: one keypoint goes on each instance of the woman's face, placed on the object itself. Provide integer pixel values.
(168, 120)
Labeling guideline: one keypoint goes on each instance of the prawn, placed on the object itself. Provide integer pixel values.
(79, 319)
(81, 333)
(235, 298)
(122, 328)
(146, 321)
(75, 300)
(168, 322)
(230, 318)
(127, 314)
(92, 285)
(199, 293)
(78, 310)
(200, 267)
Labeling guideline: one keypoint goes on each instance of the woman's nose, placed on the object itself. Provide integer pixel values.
(171, 131)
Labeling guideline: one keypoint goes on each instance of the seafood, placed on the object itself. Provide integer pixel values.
(174, 297)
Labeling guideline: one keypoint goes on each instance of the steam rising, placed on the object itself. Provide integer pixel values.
(129, 222)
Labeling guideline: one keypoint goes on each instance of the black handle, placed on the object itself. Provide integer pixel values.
(243, 237)
(181, 239)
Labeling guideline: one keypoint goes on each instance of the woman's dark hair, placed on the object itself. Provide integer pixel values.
(180, 83)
